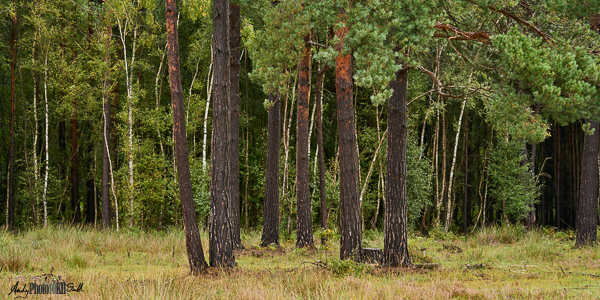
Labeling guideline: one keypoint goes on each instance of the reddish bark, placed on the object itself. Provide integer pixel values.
(192, 235)
(350, 223)
(304, 234)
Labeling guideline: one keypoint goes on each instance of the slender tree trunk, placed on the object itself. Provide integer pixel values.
(437, 166)
(287, 123)
(449, 203)
(379, 193)
(588, 194)
(157, 87)
(395, 243)
(129, 78)
(36, 170)
(234, 142)
(466, 187)
(304, 236)
(106, 138)
(557, 195)
(192, 235)
(11, 155)
(443, 191)
(46, 140)
(321, 154)
(75, 173)
(90, 192)
(350, 223)
(270, 234)
(220, 242)
(207, 109)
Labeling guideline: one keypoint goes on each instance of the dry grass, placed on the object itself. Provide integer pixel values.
(495, 263)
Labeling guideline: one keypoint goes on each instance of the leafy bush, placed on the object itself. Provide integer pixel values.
(511, 182)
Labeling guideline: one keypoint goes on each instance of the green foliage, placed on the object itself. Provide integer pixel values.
(512, 185)
(347, 267)
(418, 182)
(559, 78)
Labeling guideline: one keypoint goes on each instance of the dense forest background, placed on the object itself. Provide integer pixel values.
(502, 100)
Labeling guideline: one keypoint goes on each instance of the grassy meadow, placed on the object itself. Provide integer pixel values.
(493, 263)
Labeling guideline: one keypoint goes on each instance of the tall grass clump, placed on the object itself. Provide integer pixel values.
(505, 234)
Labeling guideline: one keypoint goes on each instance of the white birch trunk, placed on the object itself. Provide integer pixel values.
(206, 110)
(450, 181)
(46, 140)
(129, 80)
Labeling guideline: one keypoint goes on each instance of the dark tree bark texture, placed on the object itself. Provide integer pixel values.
(234, 115)
(11, 154)
(270, 234)
(395, 243)
(588, 194)
(220, 242)
(350, 223)
(192, 235)
(304, 234)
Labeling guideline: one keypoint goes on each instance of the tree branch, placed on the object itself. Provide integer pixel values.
(479, 36)
(316, 44)
(505, 12)
(440, 87)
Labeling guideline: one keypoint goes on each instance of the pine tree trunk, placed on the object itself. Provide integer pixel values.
(11, 155)
(220, 243)
(192, 235)
(321, 154)
(234, 142)
(395, 243)
(588, 194)
(350, 223)
(270, 234)
(304, 236)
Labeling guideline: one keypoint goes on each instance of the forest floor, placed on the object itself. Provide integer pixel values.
(494, 263)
